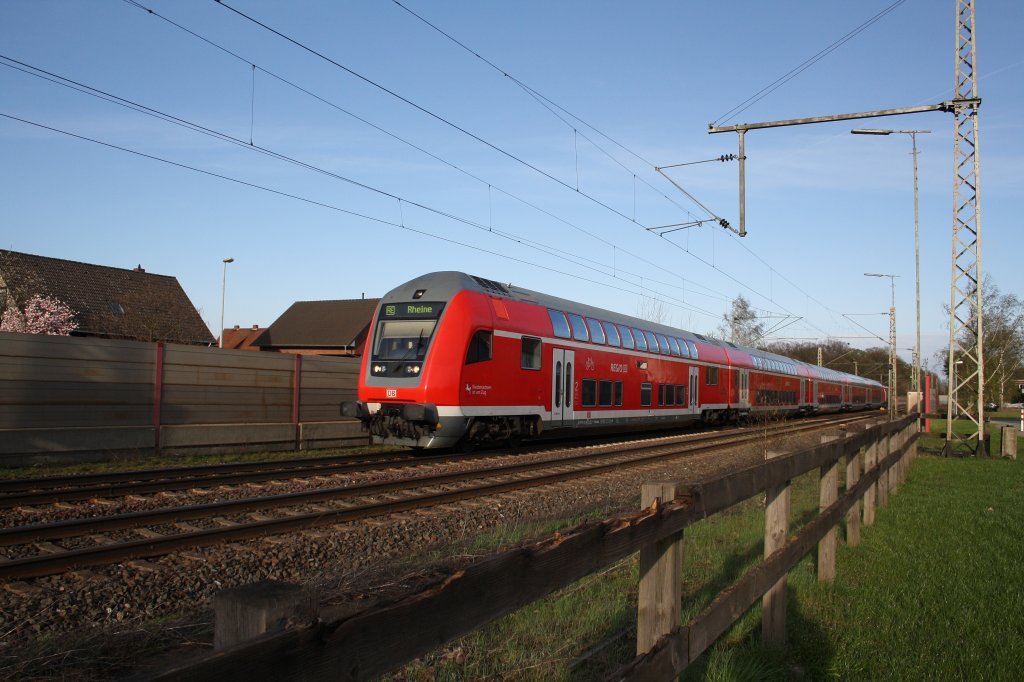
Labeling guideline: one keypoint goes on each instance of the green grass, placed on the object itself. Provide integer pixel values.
(933, 441)
(933, 592)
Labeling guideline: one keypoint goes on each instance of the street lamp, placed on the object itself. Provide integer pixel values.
(892, 342)
(917, 239)
(223, 289)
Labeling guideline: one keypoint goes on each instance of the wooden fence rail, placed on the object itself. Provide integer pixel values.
(67, 396)
(383, 638)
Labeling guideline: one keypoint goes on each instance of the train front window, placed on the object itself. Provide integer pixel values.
(403, 339)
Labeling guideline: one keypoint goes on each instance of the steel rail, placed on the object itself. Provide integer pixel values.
(69, 480)
(70, 488)
(50, 564)
(251, 473)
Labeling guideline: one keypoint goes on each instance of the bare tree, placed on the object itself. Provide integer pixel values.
(740, 325)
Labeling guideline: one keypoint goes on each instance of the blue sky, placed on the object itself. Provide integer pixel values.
(823, 206)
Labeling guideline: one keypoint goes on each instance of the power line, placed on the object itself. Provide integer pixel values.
(432, 155)
(424, 110)
(382, 221)
(803, 66)
(443, 213)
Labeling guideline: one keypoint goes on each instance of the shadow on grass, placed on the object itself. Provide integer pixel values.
(741, 655)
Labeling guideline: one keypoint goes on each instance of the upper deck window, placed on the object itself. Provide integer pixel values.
(663, 341)
(558, 324)
(674, 345)
(652, 342)
(627, 337)
(684, 350)
(579, 327)
(612, 332)
(641, 342)
(693, 349)
(596, 331)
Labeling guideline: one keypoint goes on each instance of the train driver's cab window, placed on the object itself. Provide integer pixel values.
(530, 353)
(558, 324)
(579, 327)
(479, 347)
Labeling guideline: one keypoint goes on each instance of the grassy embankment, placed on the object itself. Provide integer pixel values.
(933, 592)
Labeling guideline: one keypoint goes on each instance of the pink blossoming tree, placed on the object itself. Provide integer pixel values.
(42, 315)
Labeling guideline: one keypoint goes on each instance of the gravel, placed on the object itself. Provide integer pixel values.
(133, 610)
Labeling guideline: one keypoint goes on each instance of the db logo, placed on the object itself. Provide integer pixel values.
(392, 392)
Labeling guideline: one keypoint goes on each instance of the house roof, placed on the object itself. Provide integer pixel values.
(241, 337)
(320, 324)
(107, 301)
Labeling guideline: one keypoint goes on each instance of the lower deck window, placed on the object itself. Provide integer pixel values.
(530, 354)
(604, 396)
(588, 393)
(645, 395)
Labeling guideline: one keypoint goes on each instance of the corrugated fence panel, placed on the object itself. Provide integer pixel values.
(326, 383)
(215, 386)
(58, 381)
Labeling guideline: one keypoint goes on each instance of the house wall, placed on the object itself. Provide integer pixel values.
(86, 398)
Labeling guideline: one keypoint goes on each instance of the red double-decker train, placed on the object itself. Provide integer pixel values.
(453, 359)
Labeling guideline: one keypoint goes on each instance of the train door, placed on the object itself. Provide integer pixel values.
(744, 388)
(694, 384)
(803, 392)
(561, 386)
(815, 398)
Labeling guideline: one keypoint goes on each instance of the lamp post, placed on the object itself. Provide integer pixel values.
(223, 289)
(892, 342)
(917, 240)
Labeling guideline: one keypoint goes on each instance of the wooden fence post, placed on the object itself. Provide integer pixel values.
(853, 515)
(870, 495)
(661, 564)
(776, 532)
(828, 493)
(245, 612)
(885, 447)
(894, 471)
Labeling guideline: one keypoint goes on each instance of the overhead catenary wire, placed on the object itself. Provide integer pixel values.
(803, 66)
(424, 110)
(422, 150)
(615, 268)
(369, 81)
(382, 221)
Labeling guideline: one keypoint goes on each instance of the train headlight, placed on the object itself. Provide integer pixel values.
(412, 369)
(378, 369)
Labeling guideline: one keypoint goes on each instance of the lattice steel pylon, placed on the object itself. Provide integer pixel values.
(965, 318)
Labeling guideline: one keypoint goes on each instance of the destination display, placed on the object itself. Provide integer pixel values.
(420, 310)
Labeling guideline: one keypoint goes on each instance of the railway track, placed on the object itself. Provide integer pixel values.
(139, 535)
